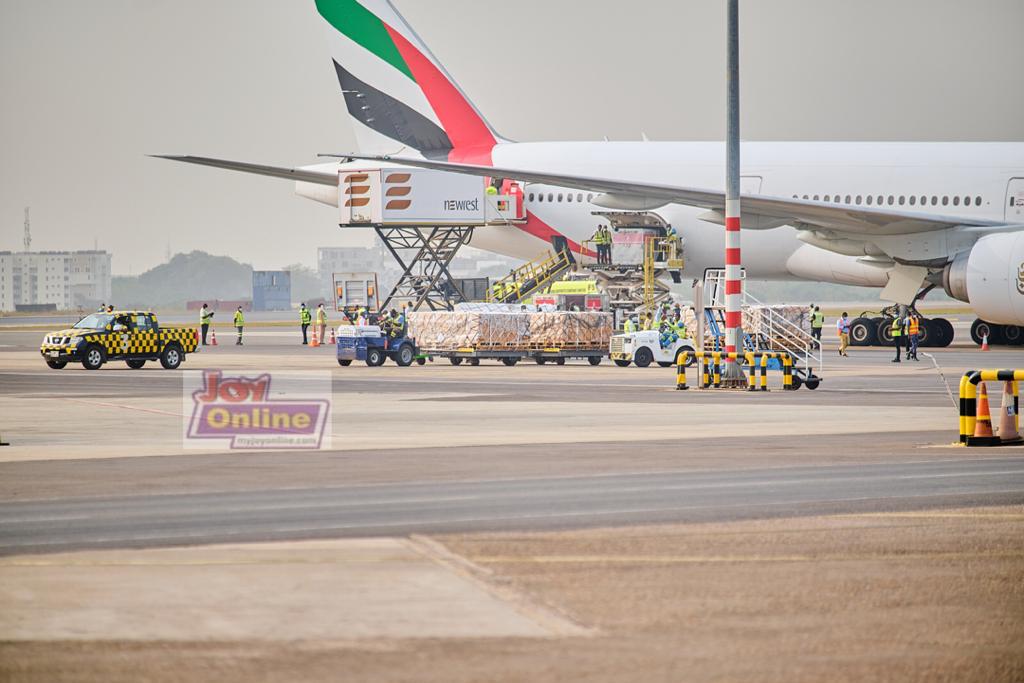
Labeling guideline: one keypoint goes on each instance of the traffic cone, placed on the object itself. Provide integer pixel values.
(984, 343)
(213, 339)
(334, 340)
(1008, 416)
(983, 420)
(314, 342)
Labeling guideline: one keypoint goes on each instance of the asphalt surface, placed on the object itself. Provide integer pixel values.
(511, 504)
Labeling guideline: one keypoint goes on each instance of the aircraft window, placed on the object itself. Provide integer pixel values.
(935, 200)
(568, 197)
(967, 201)
(945, 201)
(816, 197)
(579, 197)
(551, 197)
(560, 197)
(828, 198)
(531, 196)
(880, 198)
(956, 201)
(902, 200)
(847, 199)
(977, 201)
(540, 198)
(795, 197)
(590, 197)
(858, 200)
(890, 200)
(913, 200)
(924, 200)
(870, 199)
(805, 196)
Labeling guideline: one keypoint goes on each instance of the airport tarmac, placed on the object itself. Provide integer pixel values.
(602, 521)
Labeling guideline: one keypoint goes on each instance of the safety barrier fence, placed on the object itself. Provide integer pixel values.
(757, 362)
(969, 404)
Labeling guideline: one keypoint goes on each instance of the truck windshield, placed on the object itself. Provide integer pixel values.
(96, 321)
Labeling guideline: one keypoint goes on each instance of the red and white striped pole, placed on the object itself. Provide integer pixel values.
(733, 261)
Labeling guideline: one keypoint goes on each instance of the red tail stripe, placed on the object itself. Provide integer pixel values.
(460, 121)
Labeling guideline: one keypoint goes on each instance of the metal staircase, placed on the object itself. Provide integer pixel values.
(773, 331)
(529, 278)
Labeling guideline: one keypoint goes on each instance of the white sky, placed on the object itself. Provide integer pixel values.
(90, 87)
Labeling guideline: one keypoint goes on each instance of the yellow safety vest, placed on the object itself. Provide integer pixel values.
(896, 328)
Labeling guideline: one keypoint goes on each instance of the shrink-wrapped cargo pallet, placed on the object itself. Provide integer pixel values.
(482, 330)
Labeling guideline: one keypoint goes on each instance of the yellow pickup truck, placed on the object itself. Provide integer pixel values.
(132, 336)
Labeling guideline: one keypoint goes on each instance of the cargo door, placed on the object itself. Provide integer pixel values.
(359, 197)
(1015, 201)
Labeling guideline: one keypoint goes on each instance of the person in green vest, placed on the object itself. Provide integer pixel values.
(896, 329)
(205, 316)
(239, 324)
(817, 323)
(305, 319)
(629, 326)
(321, 322)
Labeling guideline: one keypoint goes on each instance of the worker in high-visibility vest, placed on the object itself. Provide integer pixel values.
(817, 322)
(629, 326)
(305, 319)
(321, 322)
(913, 330)
(648, 323)
(896, 330)
(239, 324)
(205, 317)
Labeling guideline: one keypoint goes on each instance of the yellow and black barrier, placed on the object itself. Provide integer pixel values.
(711, 368)
(969, 403)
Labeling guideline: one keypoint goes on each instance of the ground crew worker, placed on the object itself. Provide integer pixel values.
(304, 319)
(896, 328)
(817, 322)
(648, 323)
(843, 328)
(361, 317)
(321, 321)
(598, 239)
(205, 316)
(628, 327)
(239, 324)
(913, 330)
(607, 239)
(102, 308)
(401, 323)
(110, 309)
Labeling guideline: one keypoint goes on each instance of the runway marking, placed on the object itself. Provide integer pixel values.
(105, 404)
(732, 559)
(940, 515)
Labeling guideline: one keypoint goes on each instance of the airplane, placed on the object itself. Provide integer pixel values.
(902, 216)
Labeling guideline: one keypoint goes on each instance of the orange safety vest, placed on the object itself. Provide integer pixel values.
(914, 326)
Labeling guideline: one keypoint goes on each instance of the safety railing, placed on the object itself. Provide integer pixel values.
(529, 278)
(976, 429)
(711, 363)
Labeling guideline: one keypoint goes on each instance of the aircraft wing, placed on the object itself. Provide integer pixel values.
(759, 211)
(299, 174)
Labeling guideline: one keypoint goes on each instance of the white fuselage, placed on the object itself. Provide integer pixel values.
(968, 180)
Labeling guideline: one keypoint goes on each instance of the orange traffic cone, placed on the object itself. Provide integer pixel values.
(314, 341)
(213, 339)
(334, 340)
(984, 343)
(1008, 417)
(983, 420)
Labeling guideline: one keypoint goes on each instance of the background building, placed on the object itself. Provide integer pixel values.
(271, 290)
(66, 280)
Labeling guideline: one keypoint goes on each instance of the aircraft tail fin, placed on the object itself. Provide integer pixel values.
(397, 93)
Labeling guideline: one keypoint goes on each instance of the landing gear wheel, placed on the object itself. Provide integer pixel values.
(643, 357)
(980, 328)
(94, 358)
(509, 361)
(863, 332)
(943, 332)
(622, 363)
(344, 363)
(594, 360)
(1013, 335)
(885, 332)
(375, 357)
(135, 363)
(171, 357)
(559, 361)
(925, 334)
(455, 361)
(405, 356)
(56, 364)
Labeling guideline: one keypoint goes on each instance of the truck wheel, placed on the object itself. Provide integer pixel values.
(474, 361)
(94, 357)
(509, 361)
(344, 362)
(540, 361)
(171, 357)
(559, 361)
(455, 361)
(421, 361)
(135, 363)
(405, 355)
(812, 382)
(622, 363)
(798, 381)
(375, 357)
(57, 364)
(643, 357)
(594, 360)
(665, 363)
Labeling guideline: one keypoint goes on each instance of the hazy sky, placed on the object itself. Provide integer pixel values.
(91, 86)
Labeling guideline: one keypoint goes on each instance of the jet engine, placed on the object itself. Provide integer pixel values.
(990, 277)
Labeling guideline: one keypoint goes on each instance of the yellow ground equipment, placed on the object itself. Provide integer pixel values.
(529, 278)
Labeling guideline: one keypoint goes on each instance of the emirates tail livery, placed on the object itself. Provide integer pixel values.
(900, 216)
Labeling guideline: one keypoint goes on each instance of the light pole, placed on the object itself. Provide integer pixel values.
(733, 267)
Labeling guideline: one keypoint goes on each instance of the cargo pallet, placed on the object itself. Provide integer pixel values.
(540, 355)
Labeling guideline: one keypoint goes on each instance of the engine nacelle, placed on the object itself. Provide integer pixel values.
(990, 277)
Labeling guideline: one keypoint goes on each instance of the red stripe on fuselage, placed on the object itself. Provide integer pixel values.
(471, 138)
(543, 231)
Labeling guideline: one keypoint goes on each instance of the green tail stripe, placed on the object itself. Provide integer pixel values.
(365, 28)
